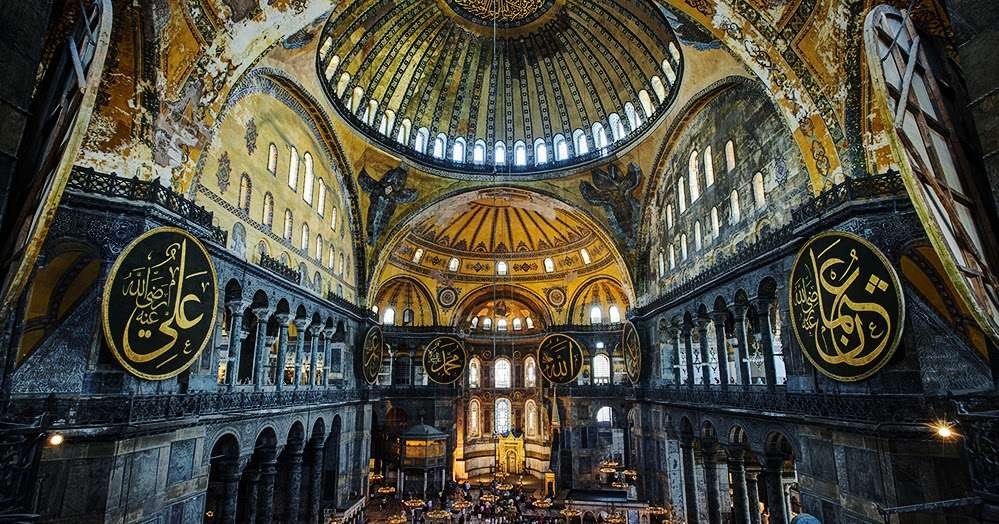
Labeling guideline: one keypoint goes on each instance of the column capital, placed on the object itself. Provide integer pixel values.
(736, 453)
(282, 319)
(329, 332)
(237, 306)
(314, 329)
(262, 313)
(301, 324)
(719, 317)
(739, 311)
(702, 323)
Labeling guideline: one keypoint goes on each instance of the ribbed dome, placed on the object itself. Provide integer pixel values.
(562, 82)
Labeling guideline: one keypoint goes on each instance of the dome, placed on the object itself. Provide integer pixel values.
(502, 232)
(551, 85)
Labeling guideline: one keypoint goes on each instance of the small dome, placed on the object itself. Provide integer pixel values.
(423, 432)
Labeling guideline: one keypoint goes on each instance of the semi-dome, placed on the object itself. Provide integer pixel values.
(477, 86)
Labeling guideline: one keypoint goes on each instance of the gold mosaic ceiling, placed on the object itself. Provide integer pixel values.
(405, 72)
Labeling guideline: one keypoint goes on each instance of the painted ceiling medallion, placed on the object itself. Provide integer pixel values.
(502, 11)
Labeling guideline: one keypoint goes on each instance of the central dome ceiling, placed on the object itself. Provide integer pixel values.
(520, 86)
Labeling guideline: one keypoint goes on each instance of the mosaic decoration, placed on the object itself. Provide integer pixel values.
(371, 354)
(224, 172)
(560, 358)
(631, 346)
(556, 296)
(614, 191)
(447, 297)
(846, 306)
(385, 195)
(160, 302)
(251, 136)
(444, 360)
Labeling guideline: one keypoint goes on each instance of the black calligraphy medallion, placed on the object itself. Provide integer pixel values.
(371, 354)
(631, 345)
(160, 302)
(444, 360)
(560, 358)
(846, 306)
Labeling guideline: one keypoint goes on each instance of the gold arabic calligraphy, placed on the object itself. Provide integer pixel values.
(444, 360)
(560, 358)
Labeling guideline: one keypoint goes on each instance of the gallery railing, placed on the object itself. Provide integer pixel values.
(124, 409)
(87, 180)
(280, 269)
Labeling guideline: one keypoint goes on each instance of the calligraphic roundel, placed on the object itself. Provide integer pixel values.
(631, 346)
(444, 360)
(160, 301)
(846, 304)
(371, 354)
(560, 358)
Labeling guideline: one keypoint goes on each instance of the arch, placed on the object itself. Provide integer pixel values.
(561, 147)
(599, 136)
(531, 418)
(387, 122)
(729, 156)
(658, 88)
(331, 465)
(579, 142)
(633, 119)
(458, 150)
(709, 167)
(503, 416)
(519, 153)
(479, 152)
(293, 169)
(474, 372)
(499, 153)
(321, 198)
(616, 126)
(605, 416)
(602, 291)
(601, 369)
(646, 102)
(735, 213)
(341, 85)
(356, 97)
(530, 372)
(404, 292)
(272, 158)
(422, 140)
(540, 152)
(502, 373)
(245, 192)
(404, 130)
(223, 465)
(440, 146)
(474, 422)
(310, 178)
(693, 176)
(759, 193)
(289, 224)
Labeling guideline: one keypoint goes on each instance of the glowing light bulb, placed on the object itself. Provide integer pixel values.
(944, 432)
(56, 439)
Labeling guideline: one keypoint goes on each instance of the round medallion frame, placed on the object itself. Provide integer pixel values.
(577, 348)
(433, 345)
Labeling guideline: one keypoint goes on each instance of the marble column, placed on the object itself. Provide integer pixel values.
(265, 502)
(282, 352)
(689, 483)
(327, 355)
(721, 343)
(301, 325)
(235, 342)
(766, 341)
(753, 490)
(294, 481)
(230, 492)
(739, 325)
(314, 355)
(737, 474)
(674, 341)
(709, 451)
(253, 490)
(315, 453)
(705, 350)
(260, 351)
(775, 492)
(688, 353)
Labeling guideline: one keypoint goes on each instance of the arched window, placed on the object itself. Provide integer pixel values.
(729, 156)
(333, 219)
(501, 268)
(244, 192)
(674, 52)
(662, 264)
(293, 170)
(289, 223)
(388, 318)
(518, 324)
(422, 138)
(333, 63)
(404, 129)
(736, 213)
(579, 142)
(681, 194)
(759, 196)
(453, 264)
(272, 158)
(669, 71)
(585, 255)
(369, 112)
(669, 216)
(683, 246)
(418, 255)
(501, 324)
(714, 222)
(709, 168)
(502, 373)
(309, 179)
(658, 88)
(646, 102)
(479, 153)
(693, 172)
(440, 145)
(473, 373)
(617, 127)
(601, 369)
(319, 248)
(599, 135)
(407, 317)
(540, 152)
(561, 148)
(305, 238)
(487, 324)
(672, 257)
(605, 415)
(356, 97)
(321, 201)
(341, 85)
(519, 153)
(267, 216)
(499, 153)
(596, 316)
(697, 236)
(329, 263)
(531, 418)
(458, 150)
(473, 414)
(502, 416)
(343, 263)
(633, 119)
(387, 121)
(474, 322)
(529, 322)
(615, 315)
(549, 265)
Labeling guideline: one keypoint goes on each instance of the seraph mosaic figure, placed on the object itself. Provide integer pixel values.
(385, 194)
(613, 190)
